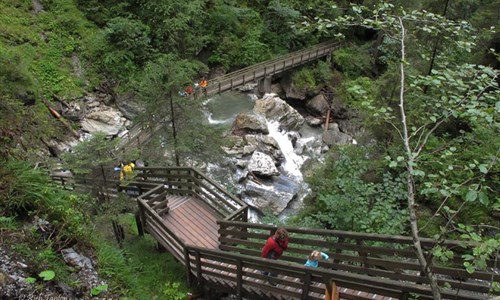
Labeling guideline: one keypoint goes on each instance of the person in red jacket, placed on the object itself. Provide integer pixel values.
(274, 247)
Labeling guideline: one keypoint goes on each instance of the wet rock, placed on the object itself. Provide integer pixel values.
(333, 136)
(109, 122)
(262, 165)
(249, 123)
(240, 175)
(274, 108)
(293, 136)
(273, 195)
(318, 105)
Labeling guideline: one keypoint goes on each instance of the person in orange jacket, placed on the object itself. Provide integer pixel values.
(203, 85)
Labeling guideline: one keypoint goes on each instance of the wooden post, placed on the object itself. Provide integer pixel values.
(331, 292)
(307, 283)
(327, 119)
(239, 279)
(138, 222)
(189, 275)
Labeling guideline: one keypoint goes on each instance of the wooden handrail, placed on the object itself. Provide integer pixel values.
(389, 261)
(320, 275)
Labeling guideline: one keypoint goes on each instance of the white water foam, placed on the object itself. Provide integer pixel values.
(293, 162)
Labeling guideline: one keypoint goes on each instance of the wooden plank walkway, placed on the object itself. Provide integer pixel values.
(195, 223)
(192, 221)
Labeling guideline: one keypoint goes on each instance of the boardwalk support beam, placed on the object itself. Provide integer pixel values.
(264, 85)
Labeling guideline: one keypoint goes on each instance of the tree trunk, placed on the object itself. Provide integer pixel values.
(412, 208)
(174, 132)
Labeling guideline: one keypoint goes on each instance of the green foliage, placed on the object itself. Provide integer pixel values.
(353, 61)
(138, 270)
(352, 196)
(47, 275)
(90, 154)
(171, 291)
(30, 192)
(30, 280)
(304, 79)
(96, 291)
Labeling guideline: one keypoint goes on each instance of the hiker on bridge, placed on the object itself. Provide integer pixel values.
(274, 247)
(189, 90)
(127, 172)
(203, 85)
(314, 257)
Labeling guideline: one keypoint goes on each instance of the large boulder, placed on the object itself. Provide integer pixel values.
(262, 164)
(318, 105)
(109, 122)
(275, 108)
(333, 136)
(128, 105)
(291, 90)
(249, 123)
(273, 195)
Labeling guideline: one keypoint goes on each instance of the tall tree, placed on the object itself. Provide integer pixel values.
(456, 92)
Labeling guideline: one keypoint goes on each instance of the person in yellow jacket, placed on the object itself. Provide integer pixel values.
(127, 171)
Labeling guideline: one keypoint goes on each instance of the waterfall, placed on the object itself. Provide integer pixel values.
(293, 162)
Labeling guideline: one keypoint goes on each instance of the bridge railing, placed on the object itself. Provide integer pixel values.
(242, 273)
(384, 256)
(190, 181)
(153, 223)
(269, 68)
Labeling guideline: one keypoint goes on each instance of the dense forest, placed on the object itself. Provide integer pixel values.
(423, 77)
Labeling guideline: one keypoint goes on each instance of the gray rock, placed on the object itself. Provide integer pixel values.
(107, 121)
(240, 163)
(129, 106)
(318, 105)
(333, 136)
(249, 123)
(76, 260)
(240, 175)
(269, 195)
(247, 87)
(249, 149)
(262, 165)
(291, 90)
(274, 108)
(341, 111)
(314, 122)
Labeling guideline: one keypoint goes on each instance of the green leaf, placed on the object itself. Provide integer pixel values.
(30, 280)
(471, 196)
(418, 173)
(393, 164)
(98, 289)
(483, 198)
(47, 275)
(483, 168)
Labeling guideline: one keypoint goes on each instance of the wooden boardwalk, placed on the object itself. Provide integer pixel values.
(207, 229)
(193, 221)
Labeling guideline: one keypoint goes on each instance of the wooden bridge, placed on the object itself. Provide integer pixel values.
(206, 229)
(261, 73)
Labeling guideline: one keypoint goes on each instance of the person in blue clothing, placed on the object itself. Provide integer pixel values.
(314, 258)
